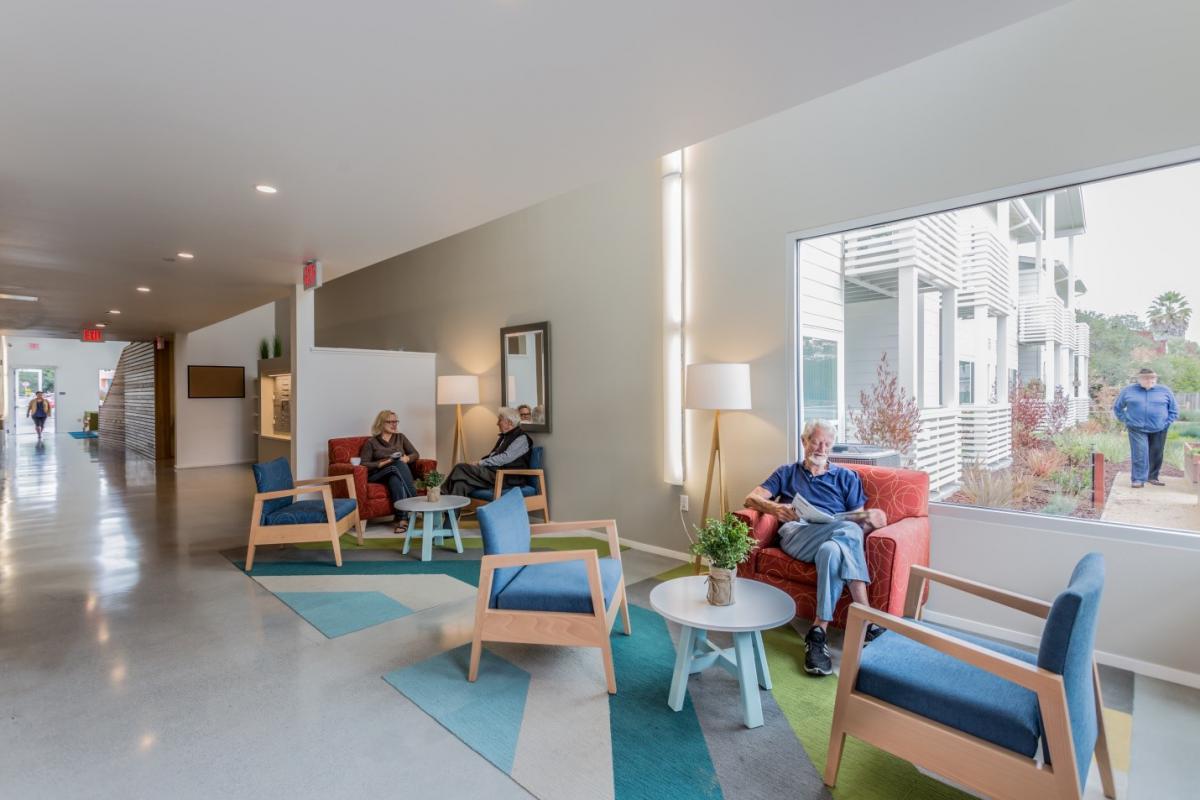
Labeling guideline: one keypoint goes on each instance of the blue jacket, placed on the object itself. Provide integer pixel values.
(1150, 410)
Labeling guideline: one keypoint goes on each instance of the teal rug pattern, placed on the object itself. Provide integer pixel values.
(649, 751)
(338, 613)
(84, 434)
(465, 571)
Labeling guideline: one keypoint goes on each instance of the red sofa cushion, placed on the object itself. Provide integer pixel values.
(373, 498)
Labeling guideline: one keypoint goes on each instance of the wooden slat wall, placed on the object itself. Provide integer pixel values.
(127, 415)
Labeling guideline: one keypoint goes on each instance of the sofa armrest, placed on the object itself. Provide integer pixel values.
(360, 480)
(892, 551)
(763, 528)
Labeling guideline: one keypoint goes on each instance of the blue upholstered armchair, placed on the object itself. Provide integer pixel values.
(537, 497)
(569, 597)
(972, 710)
(277, 517)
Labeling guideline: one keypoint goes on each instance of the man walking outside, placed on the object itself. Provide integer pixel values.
(1147, 411)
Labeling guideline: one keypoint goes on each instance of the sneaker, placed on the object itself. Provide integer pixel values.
(1137, 485)
(874, 632)
(1156, 482)
(817, 660)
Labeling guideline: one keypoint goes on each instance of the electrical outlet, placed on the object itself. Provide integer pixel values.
(683, 502)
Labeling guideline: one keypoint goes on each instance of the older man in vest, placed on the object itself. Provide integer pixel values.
(512, 449)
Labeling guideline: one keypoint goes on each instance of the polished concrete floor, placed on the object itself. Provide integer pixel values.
(135, 662)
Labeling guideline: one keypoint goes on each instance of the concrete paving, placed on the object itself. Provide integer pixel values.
(1175, 505)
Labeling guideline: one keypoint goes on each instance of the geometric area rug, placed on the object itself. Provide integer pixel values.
(543, 716)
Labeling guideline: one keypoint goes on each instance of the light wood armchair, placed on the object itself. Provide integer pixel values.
(972, 762)
(566, 628)
(331, 529)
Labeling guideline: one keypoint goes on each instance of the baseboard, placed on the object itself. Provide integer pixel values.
(1147, 668)
(216, 464)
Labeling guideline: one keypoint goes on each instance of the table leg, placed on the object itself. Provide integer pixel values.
(427, 528)
(743, 649)
(760, 660)
(454, 527)
(412, 524)
(683, 667)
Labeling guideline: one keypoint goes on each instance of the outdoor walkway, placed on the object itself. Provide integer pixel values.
(1175, 505)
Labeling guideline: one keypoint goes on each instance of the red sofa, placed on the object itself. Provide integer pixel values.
(903, 495)
(372, 497)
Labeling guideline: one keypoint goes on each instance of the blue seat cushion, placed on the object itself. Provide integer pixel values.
(306, 512)
(488, 494)
(504, 528)
(558, 586)
(910, 675)
(273, 476)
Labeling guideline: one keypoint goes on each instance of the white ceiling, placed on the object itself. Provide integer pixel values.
(130, 131)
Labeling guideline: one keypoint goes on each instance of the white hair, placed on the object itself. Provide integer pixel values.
(510, 414)
(814, 425)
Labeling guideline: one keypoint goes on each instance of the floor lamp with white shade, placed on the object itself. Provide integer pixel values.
(457, 390)
(717, 388)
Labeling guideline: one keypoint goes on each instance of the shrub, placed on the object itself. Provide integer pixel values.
(1072, 482)
(998, 488)
(1058, 412)
(1042, 462)
(1060, 505)
(889, 417)
(1189, 416)
(1028, 410)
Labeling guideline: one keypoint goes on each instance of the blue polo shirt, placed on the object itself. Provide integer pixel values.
(1150, 410)
(835, 492)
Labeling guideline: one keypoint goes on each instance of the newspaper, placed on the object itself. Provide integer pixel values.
(810, 513)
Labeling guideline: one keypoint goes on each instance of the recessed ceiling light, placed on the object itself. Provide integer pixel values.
(28, 298)
(143, 289)
(101, 325)
(265, 189)
(114, 311)
(186, 255)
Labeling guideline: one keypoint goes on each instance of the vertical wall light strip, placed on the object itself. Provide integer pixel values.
(673, 356)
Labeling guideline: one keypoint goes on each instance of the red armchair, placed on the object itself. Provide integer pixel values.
(372, 497)
(904, 497)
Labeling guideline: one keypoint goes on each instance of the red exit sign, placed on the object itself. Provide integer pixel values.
(93, 335)
(311, 276)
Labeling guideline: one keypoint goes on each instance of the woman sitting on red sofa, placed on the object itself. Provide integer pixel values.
(386, 455)
(836, 548)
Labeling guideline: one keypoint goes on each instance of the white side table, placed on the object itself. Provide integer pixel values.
(429, 518)
(757, 607)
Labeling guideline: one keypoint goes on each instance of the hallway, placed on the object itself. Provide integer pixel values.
(136, 662)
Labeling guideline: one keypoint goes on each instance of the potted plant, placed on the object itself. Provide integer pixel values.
(277, 347)
(725, 543)
(264, 350)
(432, 484)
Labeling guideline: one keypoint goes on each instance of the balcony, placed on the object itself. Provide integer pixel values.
(1083, 339)
(1045, 319)
(938, 450)
(986, 272)
(986, 434)
(872, 257)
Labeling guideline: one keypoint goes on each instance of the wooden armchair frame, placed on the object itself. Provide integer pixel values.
(553, 627)
(330, 530)
(958, 756)
(535, 502)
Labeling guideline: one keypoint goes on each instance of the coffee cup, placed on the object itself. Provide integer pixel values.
(355, 461)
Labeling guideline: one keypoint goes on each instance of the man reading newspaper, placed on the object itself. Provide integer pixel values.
(821, 506)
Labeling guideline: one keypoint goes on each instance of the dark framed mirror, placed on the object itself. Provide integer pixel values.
(525, 373)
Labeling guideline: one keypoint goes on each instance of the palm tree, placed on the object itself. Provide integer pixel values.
(1169, 315)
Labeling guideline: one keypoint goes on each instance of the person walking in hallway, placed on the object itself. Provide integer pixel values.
(1147, 410)
(39, 408)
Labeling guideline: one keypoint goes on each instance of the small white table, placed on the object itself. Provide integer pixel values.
(757, 607)
(429, 521)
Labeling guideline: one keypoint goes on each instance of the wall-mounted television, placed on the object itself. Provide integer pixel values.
(212, 382)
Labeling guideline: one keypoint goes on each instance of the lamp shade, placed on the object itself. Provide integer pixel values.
(721, 387)
(457, 389)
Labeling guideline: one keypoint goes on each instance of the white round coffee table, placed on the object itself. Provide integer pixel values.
(757, 607)
(430, 511)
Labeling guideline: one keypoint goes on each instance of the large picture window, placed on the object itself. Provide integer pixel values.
(990, 344)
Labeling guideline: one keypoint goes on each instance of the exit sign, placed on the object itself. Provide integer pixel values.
(312, 274)
(93, 335)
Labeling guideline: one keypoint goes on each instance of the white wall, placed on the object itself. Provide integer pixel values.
(77, 374)
(215, 431)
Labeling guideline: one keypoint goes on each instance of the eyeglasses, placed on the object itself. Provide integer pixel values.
(391, 422)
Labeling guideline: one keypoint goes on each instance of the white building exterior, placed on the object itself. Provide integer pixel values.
(961, 304)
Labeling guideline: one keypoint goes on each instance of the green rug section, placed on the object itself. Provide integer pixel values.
(867, 773)
(682, 571)
(350, 542)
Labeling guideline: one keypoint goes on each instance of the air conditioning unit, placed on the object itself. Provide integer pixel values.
(852, 453)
